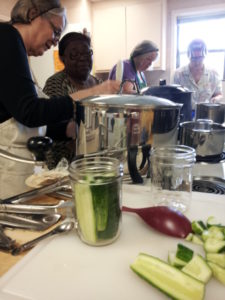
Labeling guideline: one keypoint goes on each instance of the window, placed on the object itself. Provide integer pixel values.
(209, 28)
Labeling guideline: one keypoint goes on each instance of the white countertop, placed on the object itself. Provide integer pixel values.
(65, 268)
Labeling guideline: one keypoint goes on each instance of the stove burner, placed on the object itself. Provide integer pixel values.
(211, 185)
(211, 158)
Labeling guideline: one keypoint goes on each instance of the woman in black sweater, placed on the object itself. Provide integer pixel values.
(35, 26)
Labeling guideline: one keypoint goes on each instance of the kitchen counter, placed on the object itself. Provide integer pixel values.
(65, 268)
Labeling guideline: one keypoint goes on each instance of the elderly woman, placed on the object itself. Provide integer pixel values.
(35, 26)
(76, 54)
(141, 58)
(202, 81)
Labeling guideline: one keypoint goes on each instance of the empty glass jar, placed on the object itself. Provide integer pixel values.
(171, 176)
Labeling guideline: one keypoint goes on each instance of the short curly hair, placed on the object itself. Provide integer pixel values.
(72, 36)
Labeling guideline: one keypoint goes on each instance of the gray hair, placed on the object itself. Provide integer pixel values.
(20, 11)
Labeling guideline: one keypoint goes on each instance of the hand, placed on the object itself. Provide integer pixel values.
(71, 130)
(217, 99)
(108, 87)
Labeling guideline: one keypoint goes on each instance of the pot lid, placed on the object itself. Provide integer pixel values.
(165, 89)
(128, 101)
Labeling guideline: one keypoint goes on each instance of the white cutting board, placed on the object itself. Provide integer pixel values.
(65, 268)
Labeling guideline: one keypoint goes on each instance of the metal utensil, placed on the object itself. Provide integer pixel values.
(63, 208)
(24, 197)
(34, 222)
(64, 227)
(164, 219)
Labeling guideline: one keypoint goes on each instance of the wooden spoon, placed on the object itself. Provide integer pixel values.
(164, 219)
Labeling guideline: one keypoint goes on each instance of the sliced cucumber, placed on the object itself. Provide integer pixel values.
(184, 253)
(168, 279)
(217, 258)
(211, 221)
(174, 261)
(198, 268)
(85, 212)
(213, 232)
(189, 237)
(198, 227)
(218, 272)
(197, 240)
(213, 245)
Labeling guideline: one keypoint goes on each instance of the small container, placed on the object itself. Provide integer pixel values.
(96, 183)
(171, 176)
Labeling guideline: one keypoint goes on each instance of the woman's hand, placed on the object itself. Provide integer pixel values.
(107, 87)
(217, 99)
(71, 130)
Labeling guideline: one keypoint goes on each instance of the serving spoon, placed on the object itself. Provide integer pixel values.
(164, 219)
(63, 227)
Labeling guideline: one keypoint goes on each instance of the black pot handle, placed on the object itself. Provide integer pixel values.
(132, 162)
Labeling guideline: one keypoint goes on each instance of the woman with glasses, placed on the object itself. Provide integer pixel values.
(141, 58)
(76, 54)
(35, 27)
(202, 81)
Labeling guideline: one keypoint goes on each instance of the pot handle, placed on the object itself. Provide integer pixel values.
(132, 161)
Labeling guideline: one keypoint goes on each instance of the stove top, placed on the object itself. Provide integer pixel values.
(206, 184)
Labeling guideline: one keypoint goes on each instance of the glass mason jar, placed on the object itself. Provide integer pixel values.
(171, 176)
(97, 191)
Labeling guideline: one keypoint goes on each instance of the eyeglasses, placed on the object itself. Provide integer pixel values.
(78, 55)
(57, 32)
(197, 58)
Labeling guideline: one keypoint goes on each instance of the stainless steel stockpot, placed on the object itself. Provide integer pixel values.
(206, 137)
(123, 125)
(211, 111)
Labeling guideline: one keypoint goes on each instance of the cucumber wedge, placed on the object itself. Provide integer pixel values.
(218, 272)
(198, 227)
(198, 268)
(217, 258)
(213, 245)
(85, 212)
(174, 261)
(168, 279)
(184, 253)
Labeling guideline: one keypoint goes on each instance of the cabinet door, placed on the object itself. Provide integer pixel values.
(108, 37)
(146, 21)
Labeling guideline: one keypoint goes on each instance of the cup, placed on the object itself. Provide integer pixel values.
(97, 191)
(171, 176)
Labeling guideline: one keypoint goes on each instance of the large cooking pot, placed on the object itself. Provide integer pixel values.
(211, 111)
(206, 137)
(124, 126)
(175, 93)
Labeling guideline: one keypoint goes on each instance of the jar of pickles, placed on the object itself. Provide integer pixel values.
(96, 183)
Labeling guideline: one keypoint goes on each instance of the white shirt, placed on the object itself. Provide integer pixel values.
(208, 85)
